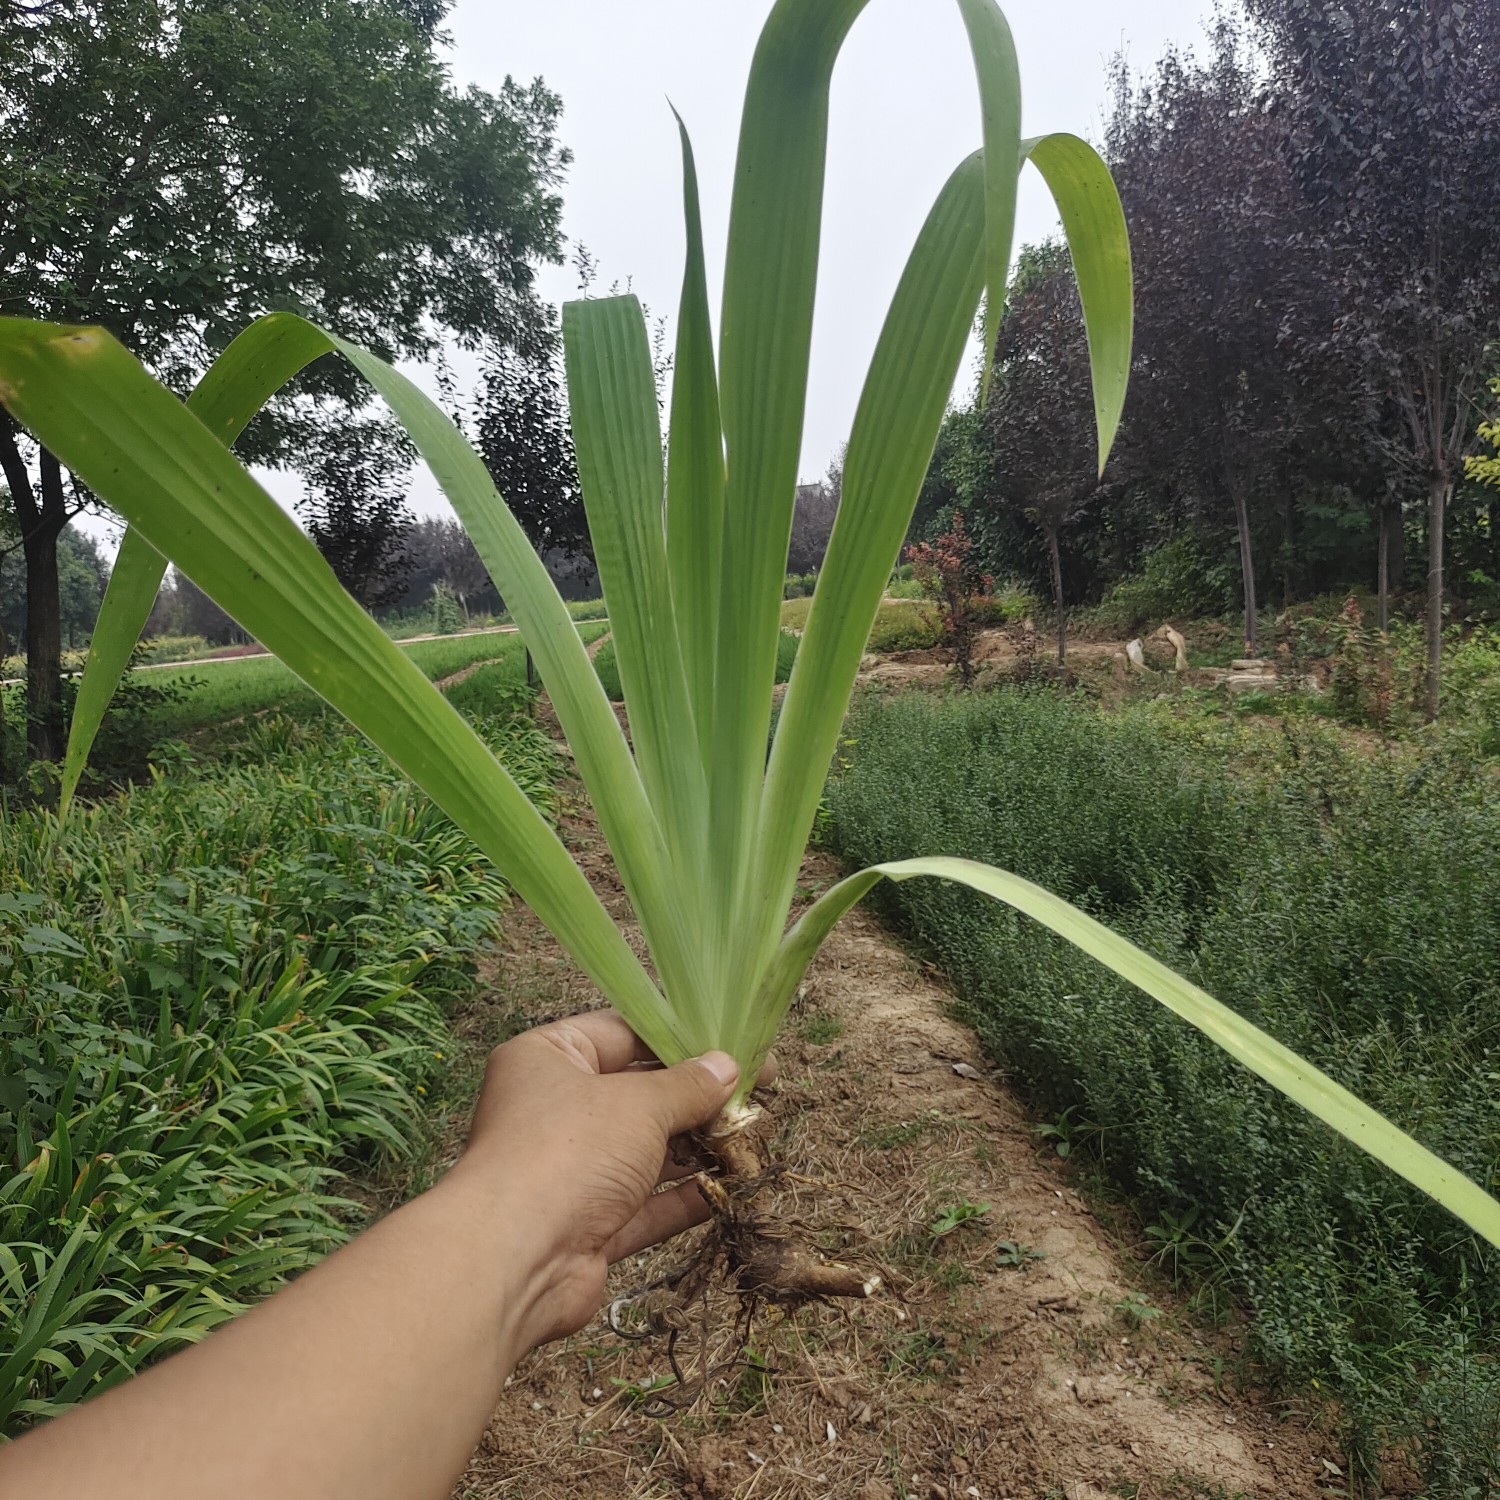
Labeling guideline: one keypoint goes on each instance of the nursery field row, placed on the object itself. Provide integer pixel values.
(1337, 893)
(224, 990)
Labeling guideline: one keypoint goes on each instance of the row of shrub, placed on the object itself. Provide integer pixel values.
(222, 990)
(1340, 897)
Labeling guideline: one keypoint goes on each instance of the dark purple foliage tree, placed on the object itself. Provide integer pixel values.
(1392, 116)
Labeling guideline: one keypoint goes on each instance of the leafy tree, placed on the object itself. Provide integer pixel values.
(1392, 109)
(1040, 412)
(173, 168)
(356, 512)
(81, 573)
(438, 552)
(948, 482)
(813, 516)
(519, 418)
(1214, 409)
(182, 608)
(952, 579)
(1485, 468)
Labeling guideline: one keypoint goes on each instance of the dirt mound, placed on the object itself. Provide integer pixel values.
(1019, 1355)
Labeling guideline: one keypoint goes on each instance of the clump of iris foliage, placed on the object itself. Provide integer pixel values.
(222, 990)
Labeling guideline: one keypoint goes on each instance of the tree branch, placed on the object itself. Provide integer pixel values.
(23, 497)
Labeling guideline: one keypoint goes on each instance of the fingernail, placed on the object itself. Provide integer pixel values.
(722, 1066)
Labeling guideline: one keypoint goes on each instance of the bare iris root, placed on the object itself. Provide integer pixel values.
(758, 1256)
(764, 1258)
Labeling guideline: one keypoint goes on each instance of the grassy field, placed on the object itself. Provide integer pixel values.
(1341, 895)
(221, 691)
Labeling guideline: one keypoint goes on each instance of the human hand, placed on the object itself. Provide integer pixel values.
(574, 1128)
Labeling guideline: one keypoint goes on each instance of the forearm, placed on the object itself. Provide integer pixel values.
(373, 1374)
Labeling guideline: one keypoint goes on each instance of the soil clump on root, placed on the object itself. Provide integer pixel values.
(1022, 1354)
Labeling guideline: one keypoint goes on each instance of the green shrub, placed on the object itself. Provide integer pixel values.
(447, 612)
(174, 648)
(1015, 602)
(1181, 579)
(1471, 685)
(799, 585)
(904, 588)
(1343, 900)
(905, 627)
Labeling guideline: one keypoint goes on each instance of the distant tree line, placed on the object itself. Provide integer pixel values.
(813, 516)
(356, 508)
(1315, 228)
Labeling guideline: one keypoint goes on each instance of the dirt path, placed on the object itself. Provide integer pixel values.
(994, 650)
(1012, 1360)
(442, 684)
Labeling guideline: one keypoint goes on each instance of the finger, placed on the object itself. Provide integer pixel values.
(610, 1044)
(692, 1092)
(661, 1216)
(768, 1071)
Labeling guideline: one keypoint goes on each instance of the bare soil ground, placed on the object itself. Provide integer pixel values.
(995, 651)
(1010, 1358)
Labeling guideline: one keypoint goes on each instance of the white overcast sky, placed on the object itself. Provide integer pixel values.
(904, 112)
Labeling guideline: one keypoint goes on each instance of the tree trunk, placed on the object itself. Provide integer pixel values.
(1396, 562)
(1247, 565)
(43, 645)
(44, 619)
(42, 519)
(1438, 490)
(1383, 569)
(1055, 553)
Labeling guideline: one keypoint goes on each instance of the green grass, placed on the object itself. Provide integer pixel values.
(820, 1029)
(221, 990)
(1344, 899)
(900, 624)
(222, 691)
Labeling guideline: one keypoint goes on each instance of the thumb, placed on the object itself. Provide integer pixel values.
(691, 1093)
